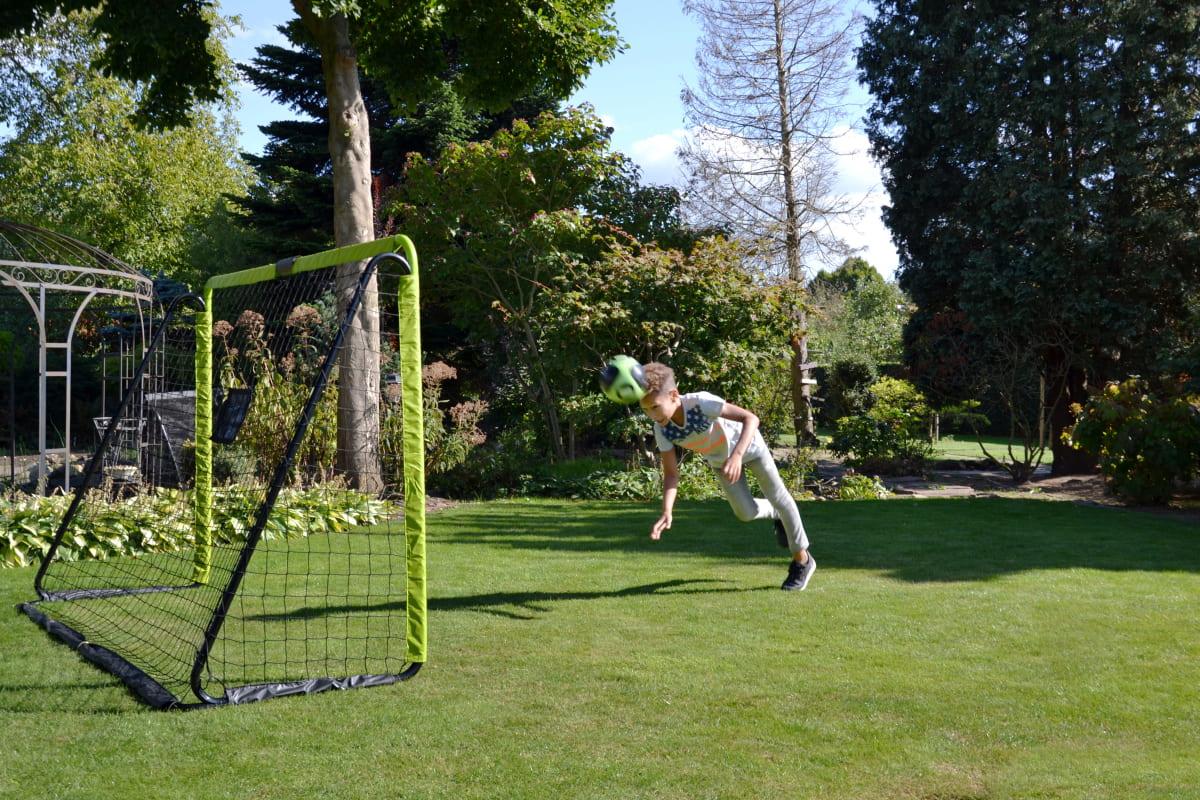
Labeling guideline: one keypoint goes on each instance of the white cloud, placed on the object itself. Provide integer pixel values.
(859, 181)
(868, 234)
(656, 155)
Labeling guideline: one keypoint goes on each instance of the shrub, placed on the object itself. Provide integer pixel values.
(150, 522)
(861, 487)
(796, 470)
(847, 388)
(1145, 441)
(246, 357)
(890, 438)
(450, 433)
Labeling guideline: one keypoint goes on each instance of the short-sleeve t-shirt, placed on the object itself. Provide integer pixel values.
(704, 430)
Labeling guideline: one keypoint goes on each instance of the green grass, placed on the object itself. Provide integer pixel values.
(985, 648)
(965, 446)
(952, 446)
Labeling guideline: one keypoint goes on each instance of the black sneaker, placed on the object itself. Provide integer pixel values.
(799, 574)
(781, 535)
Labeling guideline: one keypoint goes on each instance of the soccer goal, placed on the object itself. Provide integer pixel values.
(290, 558)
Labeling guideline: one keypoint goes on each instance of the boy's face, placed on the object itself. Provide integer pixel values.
(660, 406)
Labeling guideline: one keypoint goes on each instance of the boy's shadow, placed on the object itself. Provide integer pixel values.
(498, 602)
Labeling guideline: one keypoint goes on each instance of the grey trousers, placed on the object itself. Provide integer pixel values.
(779, 504)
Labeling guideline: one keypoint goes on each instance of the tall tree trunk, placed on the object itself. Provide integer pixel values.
(353, 222)
(802, 415)
(1072, 388)
(548, 400)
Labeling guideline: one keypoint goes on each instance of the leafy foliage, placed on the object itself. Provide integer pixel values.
(857, 315)
(890, 437)
(446, 445)
(861, 487)
(151, 521)
(846, 388)
(168, 55)
(1146, 440)
(73, 160)
(546, 287)
(289, 208)
(246, 355)
(493, 53)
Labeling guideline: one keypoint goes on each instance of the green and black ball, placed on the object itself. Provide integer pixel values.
(622, 380)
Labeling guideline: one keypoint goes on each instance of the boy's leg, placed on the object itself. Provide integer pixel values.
(745, 506)
(783, 505)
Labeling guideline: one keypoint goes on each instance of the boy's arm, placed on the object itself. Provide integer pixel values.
(670, 489)
(732, 470)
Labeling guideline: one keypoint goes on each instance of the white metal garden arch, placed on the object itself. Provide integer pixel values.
(42, 266)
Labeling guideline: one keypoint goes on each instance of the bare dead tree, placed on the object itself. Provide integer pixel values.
(772, 75)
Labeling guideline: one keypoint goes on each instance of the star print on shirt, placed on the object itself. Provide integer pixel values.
(694, 422)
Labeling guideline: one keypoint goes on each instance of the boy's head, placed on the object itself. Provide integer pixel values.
(661, 400)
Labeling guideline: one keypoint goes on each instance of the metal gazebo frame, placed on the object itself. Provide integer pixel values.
(38, 264)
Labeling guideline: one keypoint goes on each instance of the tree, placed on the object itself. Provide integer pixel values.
(1043, 163)
(289, 208)
(771, 77)
(413, 46)
(510, 224)
(857, 316)
(500, 221)
(854, 273)
(167, 54)
(74, 162)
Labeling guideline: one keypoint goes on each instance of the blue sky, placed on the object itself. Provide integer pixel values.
(637, 93)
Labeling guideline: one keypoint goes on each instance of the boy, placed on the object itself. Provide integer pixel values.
(727, 437)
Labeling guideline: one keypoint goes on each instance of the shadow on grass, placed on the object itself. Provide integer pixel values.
(912, 540)
(499, 603)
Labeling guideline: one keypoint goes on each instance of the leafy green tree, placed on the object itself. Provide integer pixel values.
(698, 310)
(1147, 438)
(1043, 163)
(854, 273)
(168, 54)
(857, 316)
(414, 47)
(289, 208)
(74, 162)
(519, 246)
(498, 221)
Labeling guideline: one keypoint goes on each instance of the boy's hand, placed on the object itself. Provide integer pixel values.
(733, 468)
(663, 523)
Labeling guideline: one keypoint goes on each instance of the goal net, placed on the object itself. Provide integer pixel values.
(286, 552)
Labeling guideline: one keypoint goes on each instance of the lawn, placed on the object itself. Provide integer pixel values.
(964, 446)
(960, 446)
(983, 648)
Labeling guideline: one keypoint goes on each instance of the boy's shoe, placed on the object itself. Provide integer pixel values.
(781, 535)
(798, 575)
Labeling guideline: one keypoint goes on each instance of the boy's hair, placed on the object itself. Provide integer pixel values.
(659, 377)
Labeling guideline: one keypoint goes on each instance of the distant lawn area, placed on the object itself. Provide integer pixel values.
(953, 446)
(984, 648)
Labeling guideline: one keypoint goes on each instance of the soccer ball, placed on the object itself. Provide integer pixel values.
(622, 380)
